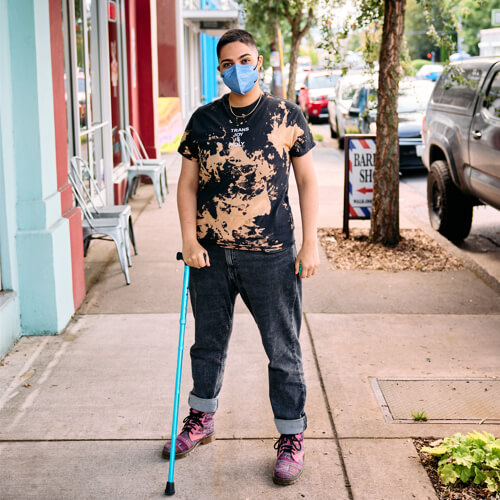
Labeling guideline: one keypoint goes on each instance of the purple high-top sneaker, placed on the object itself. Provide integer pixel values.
(290, 461)
(198, 429)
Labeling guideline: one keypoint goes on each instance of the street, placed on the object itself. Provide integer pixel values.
(483, 243)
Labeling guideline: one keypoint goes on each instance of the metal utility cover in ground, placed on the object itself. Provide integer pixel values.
(442, 400)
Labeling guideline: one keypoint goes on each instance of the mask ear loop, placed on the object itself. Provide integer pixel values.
(255, 67)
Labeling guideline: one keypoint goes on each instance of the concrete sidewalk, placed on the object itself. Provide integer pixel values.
(84, 415)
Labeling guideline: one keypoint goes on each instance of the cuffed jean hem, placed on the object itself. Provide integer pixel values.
(291, 426)
(205, 405)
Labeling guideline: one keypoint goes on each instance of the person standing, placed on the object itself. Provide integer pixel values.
(238, 238)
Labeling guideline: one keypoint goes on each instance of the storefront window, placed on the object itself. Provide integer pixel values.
(95, 64)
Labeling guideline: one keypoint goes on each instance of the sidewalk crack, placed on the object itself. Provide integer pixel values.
(347, 483)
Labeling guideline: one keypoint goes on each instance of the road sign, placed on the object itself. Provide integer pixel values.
(358, 179)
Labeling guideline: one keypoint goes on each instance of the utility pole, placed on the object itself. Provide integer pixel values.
(282, 63)
(278, 87)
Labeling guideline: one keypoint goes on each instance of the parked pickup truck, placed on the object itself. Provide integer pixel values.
(461, 150)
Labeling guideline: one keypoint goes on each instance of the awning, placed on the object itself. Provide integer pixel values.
(213, 22)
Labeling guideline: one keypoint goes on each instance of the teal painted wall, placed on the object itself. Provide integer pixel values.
(37, 236)
(209, 61)
(9, 322)
(10, 319)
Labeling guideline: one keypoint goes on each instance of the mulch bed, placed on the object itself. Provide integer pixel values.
(457, 491)
(416, 251)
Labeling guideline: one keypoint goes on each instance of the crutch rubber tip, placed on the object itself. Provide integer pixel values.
(170, 489)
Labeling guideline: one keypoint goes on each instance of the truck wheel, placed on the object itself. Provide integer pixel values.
(340, 139)
(450, 211)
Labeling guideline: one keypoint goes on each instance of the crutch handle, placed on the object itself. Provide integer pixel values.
(180, 257)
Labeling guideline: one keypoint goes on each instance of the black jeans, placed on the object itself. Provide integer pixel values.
(272, 292)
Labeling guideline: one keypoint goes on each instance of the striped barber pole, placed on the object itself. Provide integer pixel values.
(359, 166)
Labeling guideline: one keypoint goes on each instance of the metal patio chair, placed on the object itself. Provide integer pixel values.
(101, 227)
(80, 168)
(146, 160)
(137, 167)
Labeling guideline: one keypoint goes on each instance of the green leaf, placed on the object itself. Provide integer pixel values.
(492, 462)
(478, 456)
(494, 446)
(480, 476)
(436, 451)
(492, 484)
(481, 437)
(465, 473)
(448, 474)
(462, 456)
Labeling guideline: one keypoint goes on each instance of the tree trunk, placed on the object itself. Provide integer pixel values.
(292, 74)
(385, 208)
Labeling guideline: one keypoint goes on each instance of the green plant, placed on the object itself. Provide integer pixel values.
(317, 137)
(352, 130)
(418, 63)
(474, 457)
(419, 415)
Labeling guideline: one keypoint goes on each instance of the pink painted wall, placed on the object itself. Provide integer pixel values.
(67, 209)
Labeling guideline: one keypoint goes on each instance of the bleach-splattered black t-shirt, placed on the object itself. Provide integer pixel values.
(244, 166)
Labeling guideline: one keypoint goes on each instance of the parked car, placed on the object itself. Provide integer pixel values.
(299, 83)
(304, 63)
(313, 96)
(461, 149)
(412, 103)
(339, 104)
(430, 72)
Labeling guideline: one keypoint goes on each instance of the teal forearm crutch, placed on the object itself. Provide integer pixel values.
(170, 488)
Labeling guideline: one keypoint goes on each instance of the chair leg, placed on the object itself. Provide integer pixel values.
(126, 242)
(156, 178)
(163, 185)
(86, 244)
(117, 236)
(128, 194)
(137, 180)
(131, 234)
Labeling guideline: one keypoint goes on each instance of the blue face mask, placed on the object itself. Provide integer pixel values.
(240, 78)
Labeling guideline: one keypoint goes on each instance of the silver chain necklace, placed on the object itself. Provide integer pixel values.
(248, 114)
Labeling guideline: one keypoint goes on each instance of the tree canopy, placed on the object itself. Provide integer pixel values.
(419, 42)
(475, 16)
(295, 18)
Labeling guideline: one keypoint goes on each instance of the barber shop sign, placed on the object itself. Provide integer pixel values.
(358, 183)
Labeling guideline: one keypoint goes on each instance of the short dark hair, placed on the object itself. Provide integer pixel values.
(235, 35)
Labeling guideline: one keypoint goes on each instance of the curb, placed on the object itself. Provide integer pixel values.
(468, 262)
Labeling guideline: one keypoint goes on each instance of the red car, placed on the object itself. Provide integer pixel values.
(313, 95)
